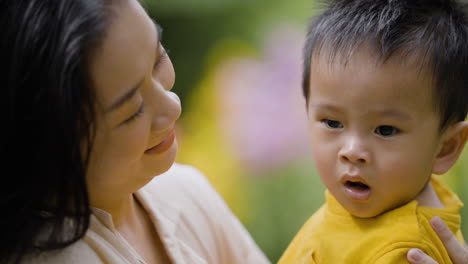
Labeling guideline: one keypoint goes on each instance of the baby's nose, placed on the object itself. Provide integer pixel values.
(354, 151)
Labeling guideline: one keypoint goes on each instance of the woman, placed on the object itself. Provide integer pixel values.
(91, 122)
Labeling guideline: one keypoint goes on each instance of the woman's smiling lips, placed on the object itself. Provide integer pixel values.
(356, 188)
(164, 145)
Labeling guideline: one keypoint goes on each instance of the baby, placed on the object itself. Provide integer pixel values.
(386, 86)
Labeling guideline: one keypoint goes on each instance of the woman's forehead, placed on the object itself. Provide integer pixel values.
(125, 52)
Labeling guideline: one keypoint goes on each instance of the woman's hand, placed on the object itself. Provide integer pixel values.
(458, 252)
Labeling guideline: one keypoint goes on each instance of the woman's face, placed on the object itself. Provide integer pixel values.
(136, 111)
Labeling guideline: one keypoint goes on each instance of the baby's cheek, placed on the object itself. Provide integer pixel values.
(319, 156)
(324, 165)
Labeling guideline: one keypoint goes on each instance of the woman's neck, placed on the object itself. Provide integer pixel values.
(123, 208)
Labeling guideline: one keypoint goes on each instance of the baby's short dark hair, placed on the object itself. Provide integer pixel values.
(435, 32)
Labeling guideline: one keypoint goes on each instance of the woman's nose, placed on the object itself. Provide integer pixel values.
(168, 110)
(354, 151)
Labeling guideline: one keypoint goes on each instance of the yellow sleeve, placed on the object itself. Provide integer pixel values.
(398, 255)
(298, 251)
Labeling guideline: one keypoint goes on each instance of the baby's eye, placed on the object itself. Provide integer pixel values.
(386, 131)
(333, 124)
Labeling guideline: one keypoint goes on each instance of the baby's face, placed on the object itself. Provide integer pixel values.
(374, 131)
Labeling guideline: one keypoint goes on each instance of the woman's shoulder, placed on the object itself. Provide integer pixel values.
(191, 209)
(77, 253)
(180, 182)
(183, 192)
(182, 173)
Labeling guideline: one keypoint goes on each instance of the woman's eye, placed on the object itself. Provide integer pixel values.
(333, 124)
(135, 115)
(386, 131)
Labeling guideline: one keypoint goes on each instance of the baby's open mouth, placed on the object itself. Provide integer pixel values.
(358, 186)
(357, 190)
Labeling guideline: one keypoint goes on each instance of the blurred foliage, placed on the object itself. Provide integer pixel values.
(201, 35)
(191, 7)
(282, 201)
(202, 143)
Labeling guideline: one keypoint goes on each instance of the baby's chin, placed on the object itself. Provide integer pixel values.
(375, 206)
(365, 214)
(369, 212)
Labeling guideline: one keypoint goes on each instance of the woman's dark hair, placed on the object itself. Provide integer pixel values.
(435, 32)
(45, 46)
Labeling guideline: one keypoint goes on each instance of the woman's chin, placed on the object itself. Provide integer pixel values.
(162, 162)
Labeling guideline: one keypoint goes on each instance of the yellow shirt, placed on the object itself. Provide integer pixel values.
(332, 235)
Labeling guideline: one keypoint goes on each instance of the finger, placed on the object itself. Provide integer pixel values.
(416, 256)
(457, 252)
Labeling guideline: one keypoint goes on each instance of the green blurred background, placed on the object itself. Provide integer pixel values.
(238, 66)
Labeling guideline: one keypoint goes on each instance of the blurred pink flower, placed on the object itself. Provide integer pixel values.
(263, 112)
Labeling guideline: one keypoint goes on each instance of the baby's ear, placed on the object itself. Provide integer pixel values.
(452, 144)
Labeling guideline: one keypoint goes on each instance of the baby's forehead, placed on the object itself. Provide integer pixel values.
(400, 76)
(367, 55)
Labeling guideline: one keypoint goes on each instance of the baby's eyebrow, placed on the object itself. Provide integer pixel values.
(394, 113)
(326, 106)
(384, 112)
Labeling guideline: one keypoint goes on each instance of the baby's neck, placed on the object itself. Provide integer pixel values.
(428, 197)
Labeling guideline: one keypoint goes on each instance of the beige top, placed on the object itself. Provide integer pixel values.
(195, 225)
